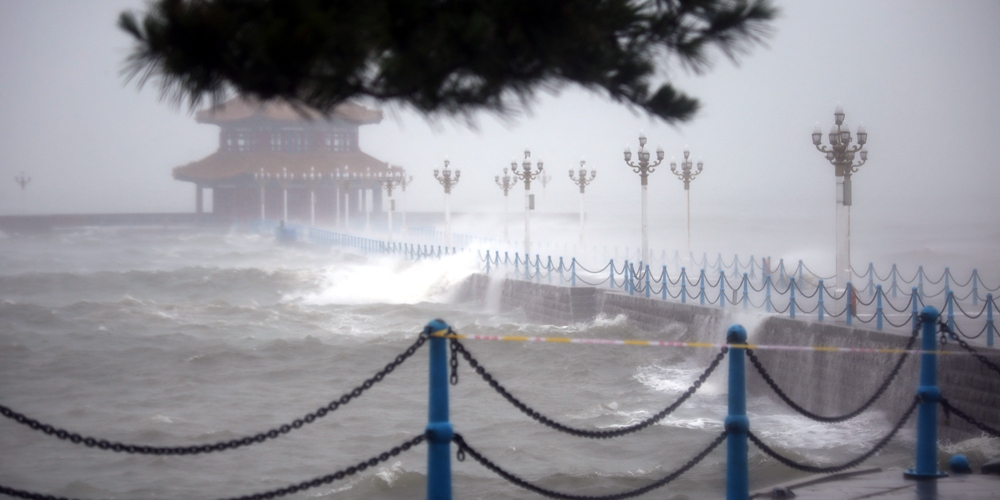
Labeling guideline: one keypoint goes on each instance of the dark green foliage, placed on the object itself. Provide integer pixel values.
(446, 56)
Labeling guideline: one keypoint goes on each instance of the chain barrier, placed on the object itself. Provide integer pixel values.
(909, 319)
(266, 495)
(948, 408)
(464, 448)
(864, 406)
(967, 315)
(621, 431)
(965, 345)
(835, 468)
(103, 444)
(905, 308)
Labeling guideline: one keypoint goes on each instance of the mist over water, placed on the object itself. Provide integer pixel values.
(167, 336)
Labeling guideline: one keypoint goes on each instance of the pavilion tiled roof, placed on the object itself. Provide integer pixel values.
(237, 109)
(226, 165)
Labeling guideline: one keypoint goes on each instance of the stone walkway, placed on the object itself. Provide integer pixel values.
(878, 484)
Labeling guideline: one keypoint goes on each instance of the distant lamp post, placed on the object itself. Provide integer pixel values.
(841, 155)
(544, 178)
(285, 179)
(23, 181)
(643, 168)
(527, 175)
(313, 178)
(389, 181)
(262, 178)
(444, 177)
(687, 175)
(506, 183)
(343, 179)
(582, 181)
(367, 176)
(405, 180)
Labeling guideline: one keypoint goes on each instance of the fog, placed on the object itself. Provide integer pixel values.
(920, 76)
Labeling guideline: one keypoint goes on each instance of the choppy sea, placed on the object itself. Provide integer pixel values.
(181, 336)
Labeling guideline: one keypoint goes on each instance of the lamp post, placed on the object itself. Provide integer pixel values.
(582, 181)
(405, 180)
(285, 179)
(687, 175)
(527, 175)
(313, 178)
(841, 155)
(506, 182)
(446, 180)
(367, 176)
(389, 181)
(643, 168)
(343, 179)
(262, 178)
(544, 178)
(23, 181)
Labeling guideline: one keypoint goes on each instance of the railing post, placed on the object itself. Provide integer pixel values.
(487, 262)
(800, 270)
(819, 302)
(849, 310)
(920, 281)
(947, 279)
(929, 396)
(627, 274)
(647, 281)
(950, 300)
(538, 261)
(893, 273)
(975, 287)
(878, 306)
(737, 424)
(611, 269)
(517, 265)
(701, 287)
(663, 282)
(548, 266)
(506, 258)
(722, 286)
(572, 267)
(791, 298)
(990, 329)
(781, 271)
(871, 279)
(561, 277)
(767, 293)
(914, 298)
(684, 281)
(439, 431)
(746, 295)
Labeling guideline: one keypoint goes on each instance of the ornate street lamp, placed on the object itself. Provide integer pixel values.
(389, 181)
(841, 155)
(262, 178)
(582, 181)
(687, 175)
(23, 181)
(544, 178)
(313, 178)
(526, 175)
(506, 182)
(446, 180)
(643, 168)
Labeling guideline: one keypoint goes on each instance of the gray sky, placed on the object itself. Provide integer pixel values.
(920, 75)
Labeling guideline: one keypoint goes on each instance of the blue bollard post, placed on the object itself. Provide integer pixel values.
(767, 293)
(849, 311)
(506, 258)
(561, 277)
(920, 281)
(538, 262)
(878, 307)
(548, 266)
(800, 270)
(791, 298)
(990, 329)
(746, 296)
(701, 287)
(737, 423)
(950, 300)
(647, 281)
(684, 281)
(439, 431)
(722, 287)
(663, 282)
(517, 266)
(914, 299)
(628, 278)
(929, 396)
(893, 273)
(611, 267)
(819, 302)
(975, 287)
(487, 262)
(572, 268)
(947, 279)
(871, 279)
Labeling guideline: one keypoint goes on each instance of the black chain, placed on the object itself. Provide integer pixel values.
(453, 362)
(280, 492)
(587, 433)
(965, 345)
(836, 468)
(464, 447)
(808, 414)
(221, 445)
(948, 408)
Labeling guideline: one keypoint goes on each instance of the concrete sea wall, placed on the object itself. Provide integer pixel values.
(824, 383)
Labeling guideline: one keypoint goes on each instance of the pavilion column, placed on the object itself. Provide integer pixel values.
(199, 199)
(377, 199)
